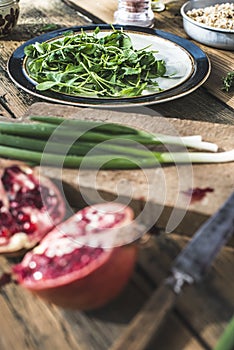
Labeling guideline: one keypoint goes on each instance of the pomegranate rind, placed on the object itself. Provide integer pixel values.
(94, 289)
(50, 241)
(20, 242)
(91, 286)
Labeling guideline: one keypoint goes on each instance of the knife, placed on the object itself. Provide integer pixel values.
(189, 267)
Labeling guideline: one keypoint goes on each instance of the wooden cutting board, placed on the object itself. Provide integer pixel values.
(163, 188)
(104, 11)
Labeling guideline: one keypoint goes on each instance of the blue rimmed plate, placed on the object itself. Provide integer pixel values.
(188, 65)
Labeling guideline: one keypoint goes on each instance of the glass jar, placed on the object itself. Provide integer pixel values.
(9, 13)
(134, 12)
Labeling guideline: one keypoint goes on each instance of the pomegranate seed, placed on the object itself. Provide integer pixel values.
(29, 227)
(22, 217)
(5, 232)
(22, 192)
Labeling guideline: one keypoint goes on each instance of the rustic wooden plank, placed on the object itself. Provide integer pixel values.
(39, 325)
(169, 20)
(30, 323)
(11, 100)
(4, 113)
(33, 324)
(221, 65)
(191, 107)
(180, 337)
(155, 258)
(171, 337)
(148, 321)
(53, 12)
(208, 306)
(199, 105)
(99, 328)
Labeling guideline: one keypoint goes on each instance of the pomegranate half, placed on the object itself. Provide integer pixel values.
(70, 270)
(30, 206)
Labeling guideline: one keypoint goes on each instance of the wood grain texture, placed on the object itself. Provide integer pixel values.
(148, 321)
(208, 306)
(202, 312)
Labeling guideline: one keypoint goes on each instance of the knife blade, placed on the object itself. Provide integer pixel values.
(190, 266)
(193, 262)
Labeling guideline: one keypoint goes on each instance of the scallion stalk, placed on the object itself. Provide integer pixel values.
(115, 161)
(78, 148)
(37, 145)
(226, 341)
(69, 161)
(198, 157)
(44, 131)
(123, 132)
(82, 124)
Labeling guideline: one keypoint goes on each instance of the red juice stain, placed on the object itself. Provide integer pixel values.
(197, 193)
(5, 278)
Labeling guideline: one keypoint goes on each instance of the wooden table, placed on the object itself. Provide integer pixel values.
(202, 311)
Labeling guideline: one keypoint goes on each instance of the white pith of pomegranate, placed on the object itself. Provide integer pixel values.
(74, 275)
(29, 208)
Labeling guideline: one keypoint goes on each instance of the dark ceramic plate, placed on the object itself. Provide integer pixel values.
(187, 62)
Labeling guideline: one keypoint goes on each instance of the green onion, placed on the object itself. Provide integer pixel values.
(78, 149)
(197, 157)
(44, 131)
(115, 161)
(226, 341)
(90, 162)
(133, 134)
(82, 148)
(112, 128)
(61, 145)
(39, 145)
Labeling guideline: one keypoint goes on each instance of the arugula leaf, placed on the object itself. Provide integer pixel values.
(82, 63)
(228, 81)
(46, 85)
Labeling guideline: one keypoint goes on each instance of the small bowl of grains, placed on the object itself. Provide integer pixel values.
(210, 22)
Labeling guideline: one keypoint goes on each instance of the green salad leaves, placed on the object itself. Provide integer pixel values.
(228, 81)
(82, 64)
